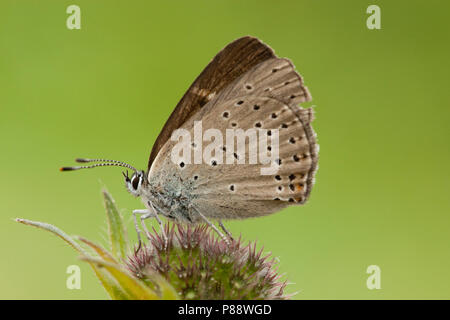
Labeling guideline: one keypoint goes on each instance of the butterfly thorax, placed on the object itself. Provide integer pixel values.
(173, 199)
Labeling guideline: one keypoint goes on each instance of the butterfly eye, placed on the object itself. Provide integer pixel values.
(135, 182)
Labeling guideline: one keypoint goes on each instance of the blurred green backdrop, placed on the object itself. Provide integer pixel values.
(382, 190)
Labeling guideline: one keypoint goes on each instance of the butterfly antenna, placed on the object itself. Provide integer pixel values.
(106, 163)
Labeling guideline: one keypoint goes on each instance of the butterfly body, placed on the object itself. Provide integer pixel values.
(173, 198)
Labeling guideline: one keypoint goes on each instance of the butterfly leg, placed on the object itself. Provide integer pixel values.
(138, 231)
(214, 228)
(161, 226)
(225, 230)
(145, 214)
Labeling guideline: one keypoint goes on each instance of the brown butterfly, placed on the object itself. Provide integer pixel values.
(245, 86)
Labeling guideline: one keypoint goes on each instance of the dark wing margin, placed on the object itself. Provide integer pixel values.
(230, 63)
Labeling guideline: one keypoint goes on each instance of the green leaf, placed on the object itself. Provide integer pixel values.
(114, 291)
(134, 288)
(167, 292)
(116, 229)
(54, 230)
(105, 255)
(112, 288)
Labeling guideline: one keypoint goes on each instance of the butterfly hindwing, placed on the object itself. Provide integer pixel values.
(252, 193)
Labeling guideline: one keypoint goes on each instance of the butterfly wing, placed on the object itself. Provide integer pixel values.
(265, 97)
(234, 60)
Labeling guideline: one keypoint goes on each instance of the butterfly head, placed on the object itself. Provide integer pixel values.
(134, 184)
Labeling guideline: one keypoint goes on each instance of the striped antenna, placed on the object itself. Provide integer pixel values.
(106, 163)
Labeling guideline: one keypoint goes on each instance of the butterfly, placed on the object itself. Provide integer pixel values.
(245, 86)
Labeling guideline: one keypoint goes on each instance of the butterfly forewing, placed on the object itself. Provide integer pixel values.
(232, 62)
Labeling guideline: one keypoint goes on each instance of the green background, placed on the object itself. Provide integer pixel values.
(382, 190)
